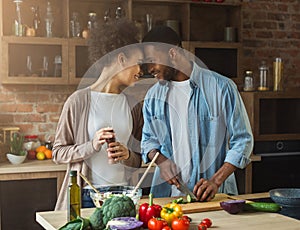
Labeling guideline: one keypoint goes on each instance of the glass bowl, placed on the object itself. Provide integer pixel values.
(106, 192)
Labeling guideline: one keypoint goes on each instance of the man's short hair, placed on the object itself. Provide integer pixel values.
(163, 34)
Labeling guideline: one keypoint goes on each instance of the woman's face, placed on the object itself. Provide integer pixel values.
(132, 70)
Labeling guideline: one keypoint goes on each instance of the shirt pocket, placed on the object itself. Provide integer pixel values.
(212, 130)
(159, 127)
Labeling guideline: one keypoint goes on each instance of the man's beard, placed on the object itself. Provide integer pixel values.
(168, 74)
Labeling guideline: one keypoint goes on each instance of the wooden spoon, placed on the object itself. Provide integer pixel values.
(90, 184)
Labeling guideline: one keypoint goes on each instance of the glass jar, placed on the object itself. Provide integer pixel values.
(31, 142)
(263, 77)
(75, 27)
(248, 81)
(92, 22)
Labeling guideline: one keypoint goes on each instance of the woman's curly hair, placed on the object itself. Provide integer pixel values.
(114, 34)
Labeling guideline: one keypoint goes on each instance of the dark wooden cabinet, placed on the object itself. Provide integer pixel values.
(21, 199)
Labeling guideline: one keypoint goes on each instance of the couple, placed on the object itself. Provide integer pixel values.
(194, 117)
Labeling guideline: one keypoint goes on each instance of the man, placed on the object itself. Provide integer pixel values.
(195, 119)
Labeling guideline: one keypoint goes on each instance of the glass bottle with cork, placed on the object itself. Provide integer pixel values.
(49, 19)
(74, 197)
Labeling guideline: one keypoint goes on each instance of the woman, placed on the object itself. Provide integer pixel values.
(101, 111)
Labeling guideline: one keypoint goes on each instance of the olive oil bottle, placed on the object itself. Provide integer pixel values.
(74, 197)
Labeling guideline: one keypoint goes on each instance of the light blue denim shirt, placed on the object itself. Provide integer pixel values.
(218, 124)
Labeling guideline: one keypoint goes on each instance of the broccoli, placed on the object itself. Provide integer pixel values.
(117, 206)
(96, 220)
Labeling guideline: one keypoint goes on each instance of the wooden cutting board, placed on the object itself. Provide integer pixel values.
(212, 205)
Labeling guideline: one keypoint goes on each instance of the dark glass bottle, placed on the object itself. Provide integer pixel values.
(74, 197)
(108, 141)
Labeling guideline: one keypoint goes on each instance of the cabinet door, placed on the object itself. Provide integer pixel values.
(34, 60)
(79, 63)
(9, 15)
(21, 199)
(208, 21)
(101, 8)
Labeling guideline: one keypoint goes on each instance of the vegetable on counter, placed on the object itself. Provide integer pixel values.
(262, 207)
(117, 206)
(156, 223)
(236, 206)
(180, 224)
(77, 224)
(181, 200)
(233, 206)
(124, 223)
(96, 220)
(207, 222)
(149, 210)
(113, 207)
(171, 211)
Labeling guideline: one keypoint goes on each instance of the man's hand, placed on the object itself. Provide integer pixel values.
(168, 169)
(205, 190)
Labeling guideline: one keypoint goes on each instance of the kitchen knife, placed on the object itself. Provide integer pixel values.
(184, 189)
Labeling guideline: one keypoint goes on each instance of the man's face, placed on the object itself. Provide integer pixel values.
(158, 63)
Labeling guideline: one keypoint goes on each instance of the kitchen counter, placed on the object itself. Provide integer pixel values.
(53, 220)
(30, 166)
(33, 169)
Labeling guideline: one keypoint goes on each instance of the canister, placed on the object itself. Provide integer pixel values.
(277, 69)
(263, 77)
(248, 81)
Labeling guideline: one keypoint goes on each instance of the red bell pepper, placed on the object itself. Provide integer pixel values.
(149, 210)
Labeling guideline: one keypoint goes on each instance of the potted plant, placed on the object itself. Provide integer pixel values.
(17, 153)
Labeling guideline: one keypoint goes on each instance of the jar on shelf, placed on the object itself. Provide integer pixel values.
(75, 27)
(248, 81)
(263, 77)
(91, 24)
(31, 142)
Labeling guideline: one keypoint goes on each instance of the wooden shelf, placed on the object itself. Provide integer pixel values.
(201, 25)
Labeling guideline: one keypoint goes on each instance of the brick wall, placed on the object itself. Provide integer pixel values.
(35, 109)
(270, 29)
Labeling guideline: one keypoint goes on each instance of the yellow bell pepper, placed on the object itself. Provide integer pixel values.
(171, 211)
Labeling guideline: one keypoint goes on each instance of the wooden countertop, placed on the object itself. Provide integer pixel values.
(53, 220)
(31, 166)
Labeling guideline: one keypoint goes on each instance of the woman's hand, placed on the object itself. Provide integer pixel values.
(117, 152)
(100, 137)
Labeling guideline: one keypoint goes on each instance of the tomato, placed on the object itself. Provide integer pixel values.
(187, 217)
(157, 224)
(202, 226)
(180, 224)
(166, 228)
(207, 222)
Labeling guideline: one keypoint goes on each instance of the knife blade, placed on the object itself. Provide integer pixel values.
(184, 189)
